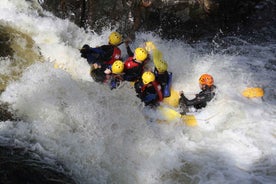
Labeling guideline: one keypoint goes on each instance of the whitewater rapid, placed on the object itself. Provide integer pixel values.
(101, 136)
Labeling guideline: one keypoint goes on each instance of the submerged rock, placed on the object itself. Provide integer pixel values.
(5, 115)
(17, 52)
(20, 165)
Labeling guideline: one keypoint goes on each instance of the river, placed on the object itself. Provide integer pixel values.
(101, 136)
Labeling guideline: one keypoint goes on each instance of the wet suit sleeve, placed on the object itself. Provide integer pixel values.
(199, 101)
(129, 52)
(93, 55)
(107, 52)
(86, 49)
(138, 88)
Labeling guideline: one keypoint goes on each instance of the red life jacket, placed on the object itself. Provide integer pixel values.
(157, 88)
(130, 63)
(115, 56)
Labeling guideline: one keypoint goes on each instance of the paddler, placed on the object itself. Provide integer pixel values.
(148, 89)
(207, 93)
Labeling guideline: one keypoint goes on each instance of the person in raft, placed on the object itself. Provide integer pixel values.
(206, 94)
(148, 89)
(105, 54)
(134, 65)
(163, 77)
(102, 57)
(114, 74)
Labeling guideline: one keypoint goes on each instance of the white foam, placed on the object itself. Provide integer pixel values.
(102, 135)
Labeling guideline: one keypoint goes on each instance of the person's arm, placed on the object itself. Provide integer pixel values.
(107, 51)
(158, 90)
(138, 89)
(201, 98)
(183, 100)
(129, 51)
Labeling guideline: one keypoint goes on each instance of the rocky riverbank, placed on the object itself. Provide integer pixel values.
(188, 19)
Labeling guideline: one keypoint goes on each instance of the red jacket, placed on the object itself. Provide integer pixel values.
(132, 69)
(157, 88)
(115, 56)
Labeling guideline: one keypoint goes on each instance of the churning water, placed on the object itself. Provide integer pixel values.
(101, 136)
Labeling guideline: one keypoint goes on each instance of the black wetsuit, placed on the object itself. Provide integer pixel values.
(150, 94)
(97, 55)
(162, 79)
(102, 55)
(129, 52)
(200, 101)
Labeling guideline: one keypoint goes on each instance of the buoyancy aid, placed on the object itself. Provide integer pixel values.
(115, 56)
(165, 80)
(131, 63)
(157, 88)
(132, 69)
(103, 55)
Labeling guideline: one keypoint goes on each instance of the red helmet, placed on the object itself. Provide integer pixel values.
(206, 79)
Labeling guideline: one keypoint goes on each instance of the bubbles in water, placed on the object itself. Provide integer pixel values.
(103, 136)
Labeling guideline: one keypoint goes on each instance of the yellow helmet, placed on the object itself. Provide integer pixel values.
(148, 77)
(117, 67)
(161, 66)
(115, 38)
(141, 54)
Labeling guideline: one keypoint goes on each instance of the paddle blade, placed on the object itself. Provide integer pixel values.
(189, 120)
(253, 92)
(169, 114)
(157, 56)
(56, 66)
(149, 46)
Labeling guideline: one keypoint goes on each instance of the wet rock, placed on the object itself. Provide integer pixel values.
(191, 18)
(22, 166)
(17, 52)
(5, 114)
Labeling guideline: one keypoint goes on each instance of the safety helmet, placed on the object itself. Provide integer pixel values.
(140, 54)
(206, 79)
(161, 66)
(148, 77)
(115, 38)
(117, 67)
